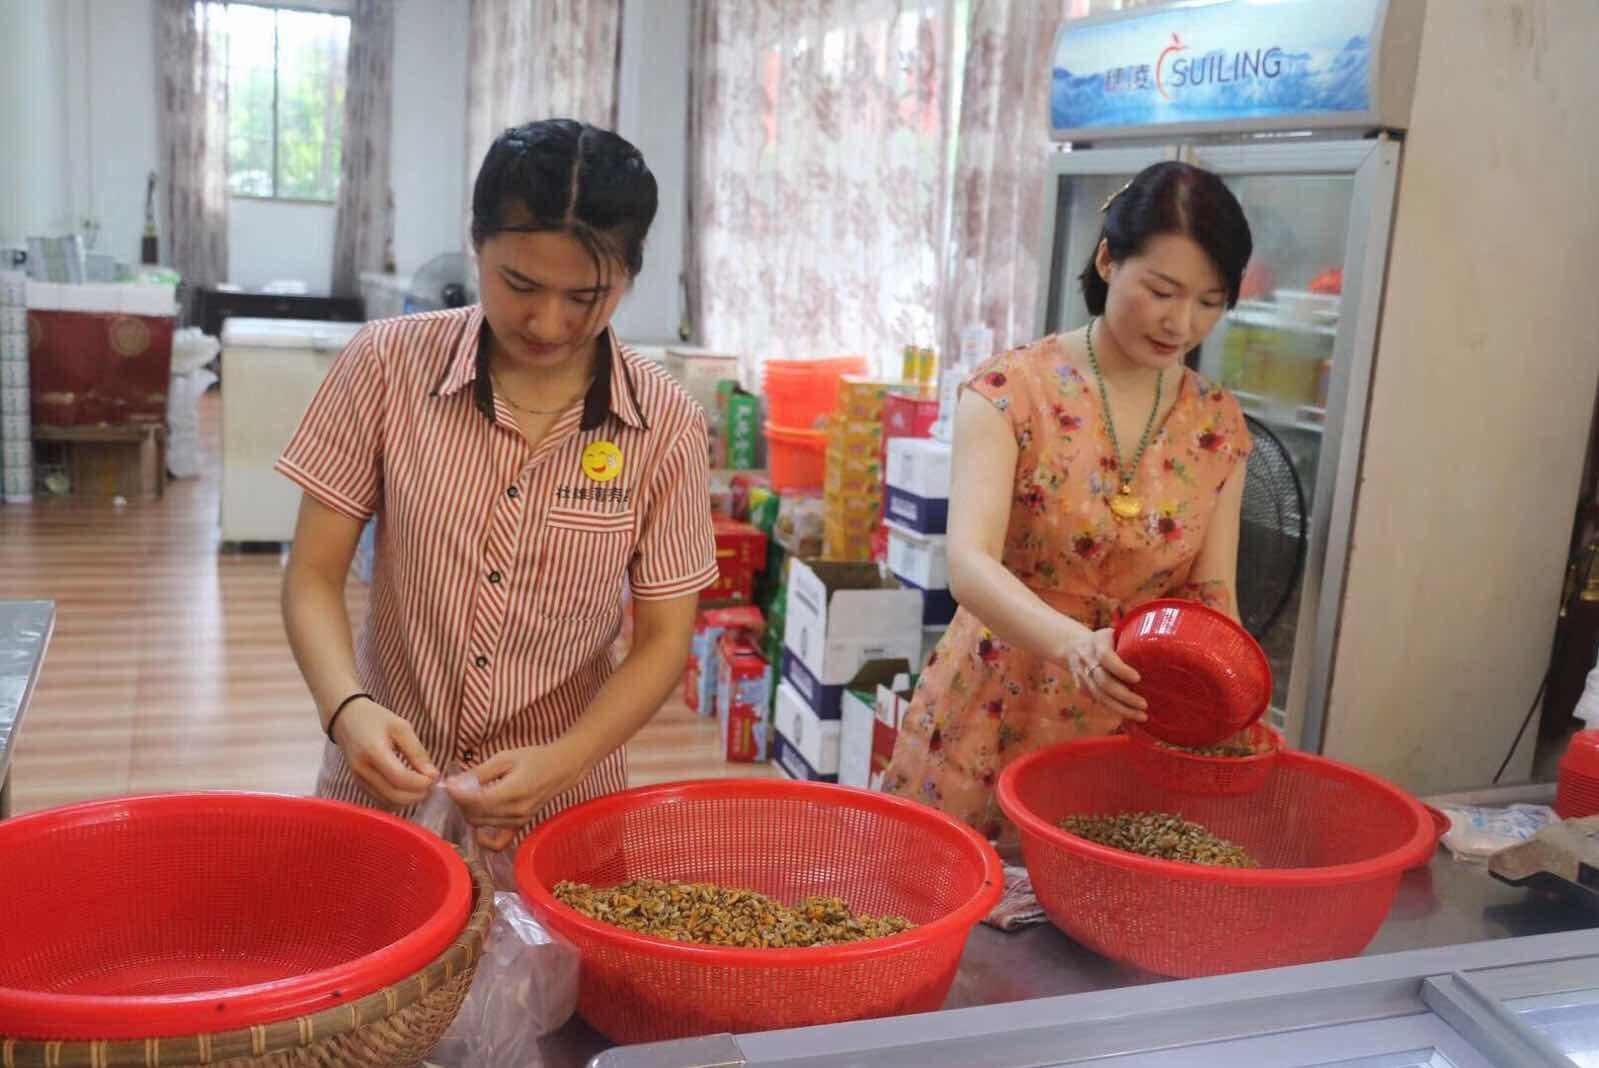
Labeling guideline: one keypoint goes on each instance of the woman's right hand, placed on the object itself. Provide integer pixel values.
(384, 753)
(1091, 657)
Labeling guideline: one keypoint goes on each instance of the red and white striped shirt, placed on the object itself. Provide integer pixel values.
(498, 578)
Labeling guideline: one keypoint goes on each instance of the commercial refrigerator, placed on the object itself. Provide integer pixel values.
(1301, 107)
(271, 368)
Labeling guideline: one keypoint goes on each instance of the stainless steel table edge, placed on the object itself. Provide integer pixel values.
(1079, 1027)
(26, 628)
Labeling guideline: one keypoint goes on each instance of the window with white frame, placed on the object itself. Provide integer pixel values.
(286, 81)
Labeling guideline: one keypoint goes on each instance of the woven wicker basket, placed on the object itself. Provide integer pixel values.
(392, 1028)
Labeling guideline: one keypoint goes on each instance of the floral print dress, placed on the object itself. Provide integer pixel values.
(980, 703)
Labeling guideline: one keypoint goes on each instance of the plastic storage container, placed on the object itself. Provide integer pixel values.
(801, 394)
(797, 459)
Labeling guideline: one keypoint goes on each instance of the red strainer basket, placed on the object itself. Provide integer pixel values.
(1204, 677)
(150, 917)
(1193, 773)
(1333, 843)
(883, 855)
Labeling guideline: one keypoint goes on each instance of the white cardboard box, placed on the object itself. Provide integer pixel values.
(698, 371)
(918, 477)
(860, 720)
(919, 466)
(814, 739)
(840, 617)
(917, 558)
(893, 701)
(787, 760)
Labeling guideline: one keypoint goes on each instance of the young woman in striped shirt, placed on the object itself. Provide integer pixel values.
(524, 468)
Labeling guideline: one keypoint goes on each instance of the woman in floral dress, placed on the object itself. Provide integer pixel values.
(1092, 472)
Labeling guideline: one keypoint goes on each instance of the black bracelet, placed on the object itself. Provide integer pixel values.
(337, 712)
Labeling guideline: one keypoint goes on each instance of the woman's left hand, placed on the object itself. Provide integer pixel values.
(500, 795)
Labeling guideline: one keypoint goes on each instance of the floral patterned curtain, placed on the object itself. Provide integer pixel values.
(194, 124)
(539, 59)
(998, 244)
(363, 235)
(819, 163)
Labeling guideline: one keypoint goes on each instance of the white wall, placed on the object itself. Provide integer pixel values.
(277, 240)
(79, 131)
(430, 39)
(115, 136)
(34, 198)
(652, 112)
(1484, 387)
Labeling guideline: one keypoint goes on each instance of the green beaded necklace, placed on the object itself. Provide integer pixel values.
(1123, 505)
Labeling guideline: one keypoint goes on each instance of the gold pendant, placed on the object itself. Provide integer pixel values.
(1125, 506)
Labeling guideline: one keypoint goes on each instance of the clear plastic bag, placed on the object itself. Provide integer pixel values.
(526, 983)
(1478, 832)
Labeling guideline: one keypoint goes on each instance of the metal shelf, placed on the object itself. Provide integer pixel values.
(1306, 417)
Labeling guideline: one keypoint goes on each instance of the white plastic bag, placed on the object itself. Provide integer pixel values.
(1477, 833)
(183, 421)
(192, 349)
(526, 983)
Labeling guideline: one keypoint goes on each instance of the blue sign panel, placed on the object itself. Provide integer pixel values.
(1235, 61)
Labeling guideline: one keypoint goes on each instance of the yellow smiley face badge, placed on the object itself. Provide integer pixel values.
(602, 461)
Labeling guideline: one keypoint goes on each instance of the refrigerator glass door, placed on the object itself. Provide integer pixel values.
(1080, 183)
(1569, 1021)
(1418, 1041)
(1297, 352)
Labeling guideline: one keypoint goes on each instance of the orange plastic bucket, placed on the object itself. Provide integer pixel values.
(797, 458)
(801, 394)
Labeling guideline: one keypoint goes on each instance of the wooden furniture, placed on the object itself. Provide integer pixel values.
(213, 306)
(112, 461)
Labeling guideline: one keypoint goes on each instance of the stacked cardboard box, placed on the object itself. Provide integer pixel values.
(865, 742)
(743, 690)
(740, 557)
(840, 617)
(700, 679)
(853, 497)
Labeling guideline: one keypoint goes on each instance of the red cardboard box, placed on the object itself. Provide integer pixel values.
(740, 556)
(909, 416)
(699, 681)
(744, 483)
(743, 687)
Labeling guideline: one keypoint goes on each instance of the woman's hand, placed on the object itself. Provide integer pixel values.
(1091, 657)
(503, 793)
(384, 753)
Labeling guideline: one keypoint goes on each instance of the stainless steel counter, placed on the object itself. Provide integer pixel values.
(25, 630)
(1448, 903)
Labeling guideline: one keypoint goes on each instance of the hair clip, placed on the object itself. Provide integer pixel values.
(1103, 208)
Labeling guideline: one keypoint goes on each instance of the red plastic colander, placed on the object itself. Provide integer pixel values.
(147, 917)
(1193, 773)
(1440, 827)
(1332, 842)
(791, 840)
(1203, 675)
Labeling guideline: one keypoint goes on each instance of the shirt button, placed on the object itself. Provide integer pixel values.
(468, 755)
(513, 493)
(494, 577)
(482, 661)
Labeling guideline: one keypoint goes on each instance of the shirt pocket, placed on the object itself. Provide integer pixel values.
(583, 560)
